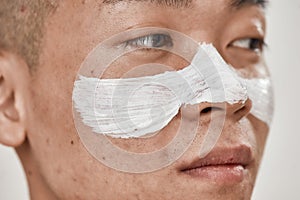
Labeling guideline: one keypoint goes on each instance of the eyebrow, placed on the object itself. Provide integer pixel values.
(187, 3)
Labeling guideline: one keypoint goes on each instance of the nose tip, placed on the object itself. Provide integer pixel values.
(234, 111)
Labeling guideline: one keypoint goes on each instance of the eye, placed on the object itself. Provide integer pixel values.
(253, 44)
(151, 41)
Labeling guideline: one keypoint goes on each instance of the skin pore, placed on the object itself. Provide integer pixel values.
(36, 116)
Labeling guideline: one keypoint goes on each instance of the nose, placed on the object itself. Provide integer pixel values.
(238, 111)
(233, 112)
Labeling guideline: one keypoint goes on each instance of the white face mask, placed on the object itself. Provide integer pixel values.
(135, 107)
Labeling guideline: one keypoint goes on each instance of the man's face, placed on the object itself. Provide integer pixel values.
(67, 167)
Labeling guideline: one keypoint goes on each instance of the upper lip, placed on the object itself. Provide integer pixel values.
(239, 155)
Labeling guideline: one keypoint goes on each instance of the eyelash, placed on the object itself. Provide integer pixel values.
(152, 41)
(252, 44)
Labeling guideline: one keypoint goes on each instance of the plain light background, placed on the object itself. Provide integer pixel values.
(279, 177)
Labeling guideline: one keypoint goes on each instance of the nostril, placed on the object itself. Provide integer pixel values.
(206, 110)
(210, 109)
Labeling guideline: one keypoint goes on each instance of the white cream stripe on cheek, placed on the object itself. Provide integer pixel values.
(135, 107)
(260, 91)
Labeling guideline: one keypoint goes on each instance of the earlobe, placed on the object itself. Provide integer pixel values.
(11, 134)
(13, 79)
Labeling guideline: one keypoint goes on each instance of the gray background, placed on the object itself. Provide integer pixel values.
(279, 177)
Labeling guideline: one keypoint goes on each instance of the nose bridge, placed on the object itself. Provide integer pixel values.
(207, 35)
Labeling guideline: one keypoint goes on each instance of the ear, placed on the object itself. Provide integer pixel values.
(14, 77)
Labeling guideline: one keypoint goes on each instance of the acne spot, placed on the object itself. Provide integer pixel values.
(74, 179)
(137, 197)
(72, 142)
(103, 158)
(48, 141)
(29, 173)
(23, 9)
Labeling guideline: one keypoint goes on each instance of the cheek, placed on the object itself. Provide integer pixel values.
(52, 106)
(256, 133)
(261, 131)
(152, 143)
(51, 132)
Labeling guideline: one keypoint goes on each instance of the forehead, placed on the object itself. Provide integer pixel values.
(199, 10)
(202, 14)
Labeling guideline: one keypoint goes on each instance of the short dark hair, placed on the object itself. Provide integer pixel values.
(21, 26)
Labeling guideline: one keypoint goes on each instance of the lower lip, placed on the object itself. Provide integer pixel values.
(230, 174)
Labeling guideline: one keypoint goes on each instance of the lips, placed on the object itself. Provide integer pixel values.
(222, 165)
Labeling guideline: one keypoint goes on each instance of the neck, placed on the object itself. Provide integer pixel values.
(38, 187)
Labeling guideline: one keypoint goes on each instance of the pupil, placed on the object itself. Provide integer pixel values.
(254, 44)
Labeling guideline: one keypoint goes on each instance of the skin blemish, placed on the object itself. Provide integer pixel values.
(58, 171)
(72, 142)
(1, 79)
(23, 9)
